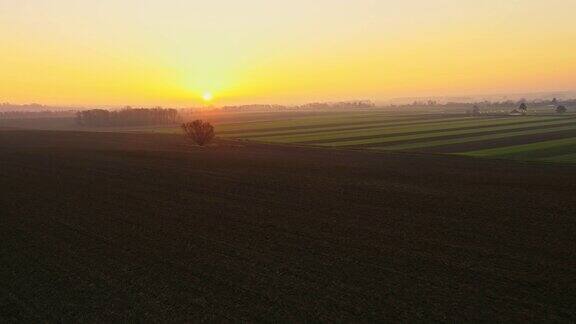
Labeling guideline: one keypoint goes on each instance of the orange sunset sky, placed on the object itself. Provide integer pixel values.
(175, 52)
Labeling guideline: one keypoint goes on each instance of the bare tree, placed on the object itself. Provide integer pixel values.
(199, 131)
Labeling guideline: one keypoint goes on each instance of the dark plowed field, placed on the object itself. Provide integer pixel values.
(130, 227)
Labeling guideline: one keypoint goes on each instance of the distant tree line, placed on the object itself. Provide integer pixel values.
(6, 106)
(37, 114)
(358, 104)
(339, 105)
(260, 107)
(127, 117)
(488, 104)
(479, 108)
(32, 111)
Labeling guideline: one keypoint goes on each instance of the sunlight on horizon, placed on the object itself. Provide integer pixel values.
(207, 97)
(149, 52)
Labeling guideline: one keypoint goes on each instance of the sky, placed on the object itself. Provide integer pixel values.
(175, 52)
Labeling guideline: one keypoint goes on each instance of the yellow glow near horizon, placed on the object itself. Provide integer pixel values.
(207, 97)
(151, 52)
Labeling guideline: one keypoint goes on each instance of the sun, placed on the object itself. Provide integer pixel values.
(207, 96)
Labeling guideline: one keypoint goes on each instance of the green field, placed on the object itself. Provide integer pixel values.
(539, 136)
(549, 138)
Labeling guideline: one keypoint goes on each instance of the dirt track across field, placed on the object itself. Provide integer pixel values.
(101, 227)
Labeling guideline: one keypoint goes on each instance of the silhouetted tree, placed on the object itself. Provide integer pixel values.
(523, 108)
(199, 131)
(561, 109)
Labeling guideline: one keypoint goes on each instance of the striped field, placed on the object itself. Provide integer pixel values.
(550, 138)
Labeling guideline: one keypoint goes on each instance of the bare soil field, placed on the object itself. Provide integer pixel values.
(105, 227)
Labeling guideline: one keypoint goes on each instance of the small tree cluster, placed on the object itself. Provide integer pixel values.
(561, 109)
(199, 131)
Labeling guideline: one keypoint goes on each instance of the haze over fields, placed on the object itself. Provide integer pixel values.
(175, 52)
(323, 161)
